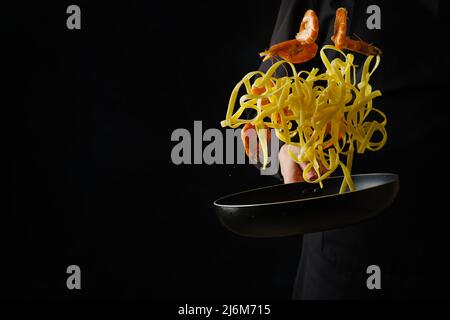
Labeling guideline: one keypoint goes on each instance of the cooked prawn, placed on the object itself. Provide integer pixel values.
(292, 51)
(362, 47)
(303, 47)
(340, 28)
(342, 41)
(309, 28)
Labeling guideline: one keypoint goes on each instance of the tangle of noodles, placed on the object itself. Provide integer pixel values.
(327, 113)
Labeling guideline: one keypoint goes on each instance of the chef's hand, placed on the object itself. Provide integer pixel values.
(290, 170)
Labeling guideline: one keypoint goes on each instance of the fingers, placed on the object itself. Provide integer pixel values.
(250, 138)
(293, 171)
(311, 174)
(290, 170)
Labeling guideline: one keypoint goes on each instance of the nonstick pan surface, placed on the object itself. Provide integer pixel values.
(298, 208)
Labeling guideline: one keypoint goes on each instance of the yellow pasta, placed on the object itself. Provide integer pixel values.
(328, 116)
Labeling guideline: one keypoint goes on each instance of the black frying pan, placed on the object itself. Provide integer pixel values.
(297, 208)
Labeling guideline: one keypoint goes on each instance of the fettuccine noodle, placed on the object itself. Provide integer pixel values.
(325, 115)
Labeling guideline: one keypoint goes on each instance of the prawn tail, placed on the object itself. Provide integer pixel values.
(362, 47)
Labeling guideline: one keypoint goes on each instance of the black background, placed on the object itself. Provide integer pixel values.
(90, 177)
(89, 116)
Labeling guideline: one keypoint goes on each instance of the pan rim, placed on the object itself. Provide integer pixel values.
(395, 178)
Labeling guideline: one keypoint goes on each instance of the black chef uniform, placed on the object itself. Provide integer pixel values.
(408, 242)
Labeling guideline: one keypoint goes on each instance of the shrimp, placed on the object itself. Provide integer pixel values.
(362, 47)
(340, 28)
(292, 51)
(342, 41)
(309, 28)
(303, 47)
